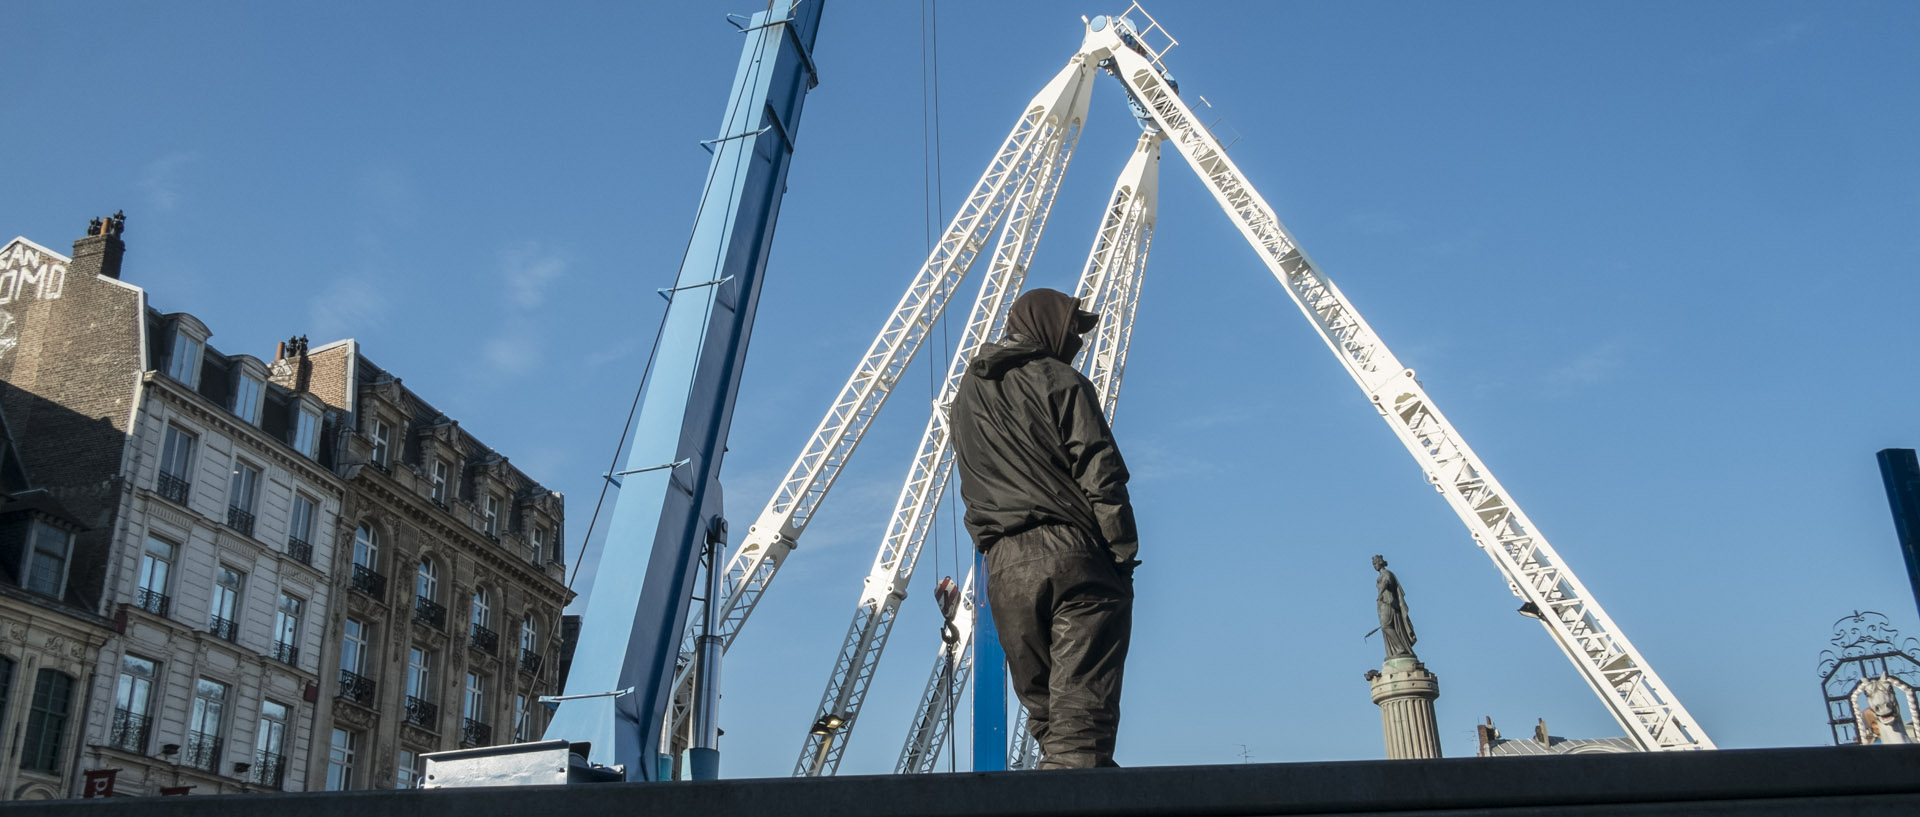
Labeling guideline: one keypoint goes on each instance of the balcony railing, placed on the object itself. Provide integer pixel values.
(152, 601)
(484, 640)
(268, 769)
(368, 582)
(429, 612)
(172, 487)
(475, 733)
(223, 628)
(240, 520)
(130, 731)
(356, 688)
(530, 663)
(300, 549)
(282, 651)
(422, 713)
(203, 751)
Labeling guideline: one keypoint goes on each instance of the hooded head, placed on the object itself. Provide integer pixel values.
(1052, 319)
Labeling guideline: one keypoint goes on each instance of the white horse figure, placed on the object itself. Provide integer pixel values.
(1883, 705)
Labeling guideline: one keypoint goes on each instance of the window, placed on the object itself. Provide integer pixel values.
(354, 646)
(176, 465)
(493, 515)
(366, 548)
(46, 570)
(380, 434)
(286, 629)
(306, 433)
(419, 675)
(538, 543)
(475, 706)
(440, 470)
(530, 645)
(243, 491)
(247, 396)
(406, 770)
(426, 583)
(300, 529)
(47, 722)
(6, 685)
(269, 745)
(340, 760)
(522, 721)
(185, 364)
(225, 617)
(482, 609)
(132, 704)
(204, 724)
(155, 564)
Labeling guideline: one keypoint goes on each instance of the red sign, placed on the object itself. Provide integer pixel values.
(99, 783)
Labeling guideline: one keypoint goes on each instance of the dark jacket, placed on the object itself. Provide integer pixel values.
(1034, 449)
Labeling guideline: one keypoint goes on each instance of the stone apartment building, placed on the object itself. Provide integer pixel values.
(230, 524)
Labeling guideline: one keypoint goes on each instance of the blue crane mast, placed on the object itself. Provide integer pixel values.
(669, 503)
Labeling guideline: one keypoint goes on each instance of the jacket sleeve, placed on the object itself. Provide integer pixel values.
(1098, 468)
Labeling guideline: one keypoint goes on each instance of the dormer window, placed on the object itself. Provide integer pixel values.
(306, 432)
(440, 472)
(249, 388)
(381, 435)
(189, 342)
(493, 515)
(46, 568)
(247, 395)
(185, 365)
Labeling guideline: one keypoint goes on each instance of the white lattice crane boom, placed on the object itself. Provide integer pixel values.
(1636, 696)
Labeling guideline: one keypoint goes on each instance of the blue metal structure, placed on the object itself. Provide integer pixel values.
(618, 691)
(1900, 470)
(990, 690)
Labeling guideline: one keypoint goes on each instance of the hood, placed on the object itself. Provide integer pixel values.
(1042, 323)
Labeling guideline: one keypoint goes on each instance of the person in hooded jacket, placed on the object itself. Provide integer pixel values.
(1046, 497)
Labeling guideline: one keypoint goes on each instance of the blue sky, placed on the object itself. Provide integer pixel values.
(1654, 261)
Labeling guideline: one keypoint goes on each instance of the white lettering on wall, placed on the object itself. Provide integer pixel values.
(28, 273)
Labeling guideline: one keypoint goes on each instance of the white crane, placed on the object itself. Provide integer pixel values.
(1020, 180)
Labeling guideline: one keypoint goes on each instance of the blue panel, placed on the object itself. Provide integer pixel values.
(989, 681)
(1901, 472)
(630, 632)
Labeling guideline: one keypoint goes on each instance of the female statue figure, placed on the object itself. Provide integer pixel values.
(1396, 627)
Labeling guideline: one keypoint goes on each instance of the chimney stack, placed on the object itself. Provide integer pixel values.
(100, 252)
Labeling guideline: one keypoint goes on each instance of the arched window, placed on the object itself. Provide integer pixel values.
(426, 583)
(366, 547)
(482, 609)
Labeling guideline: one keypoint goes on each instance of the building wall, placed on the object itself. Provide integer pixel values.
(180, 641)
(35, 634)
(396, 503)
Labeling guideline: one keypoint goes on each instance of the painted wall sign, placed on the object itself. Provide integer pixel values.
(27, 273)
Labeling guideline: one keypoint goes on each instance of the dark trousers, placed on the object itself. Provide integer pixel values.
(1064, 612)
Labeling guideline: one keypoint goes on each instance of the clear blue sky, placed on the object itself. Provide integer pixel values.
(1655, 261)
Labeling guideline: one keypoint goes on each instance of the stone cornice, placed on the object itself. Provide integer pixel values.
(202, 409)
(418, 510)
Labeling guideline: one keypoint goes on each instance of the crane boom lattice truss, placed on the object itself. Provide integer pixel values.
(1018, 187)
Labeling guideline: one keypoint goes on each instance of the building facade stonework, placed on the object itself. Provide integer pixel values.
(214, 581)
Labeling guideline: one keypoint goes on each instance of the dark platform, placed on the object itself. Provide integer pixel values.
(1876, 780)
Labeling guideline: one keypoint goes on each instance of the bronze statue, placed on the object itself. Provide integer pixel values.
(1396, 627)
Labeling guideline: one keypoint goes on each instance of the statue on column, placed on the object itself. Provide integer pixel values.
(1396, 627)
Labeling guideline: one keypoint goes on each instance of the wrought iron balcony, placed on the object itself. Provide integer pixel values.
(222, 628)
(356, 688)
(268, 769)
(240, 520)
(422, 713)
(203, 751)
(368, 582)
(484, 640)
(429, 612)
(475, 733)
(172, 488)
(530, 663)
(130, 731)
(152, 601)
(282, 651)
(300, 549)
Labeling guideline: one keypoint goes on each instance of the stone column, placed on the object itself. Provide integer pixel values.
(1405, 692)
